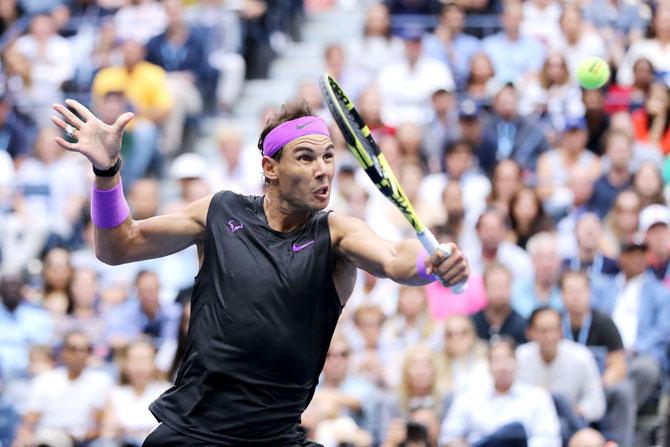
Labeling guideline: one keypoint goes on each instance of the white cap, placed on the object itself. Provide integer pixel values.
(654, 214)
(188, 166)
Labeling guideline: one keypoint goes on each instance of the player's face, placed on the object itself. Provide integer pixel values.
(305, 171)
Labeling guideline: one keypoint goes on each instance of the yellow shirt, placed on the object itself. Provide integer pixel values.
(145, 86)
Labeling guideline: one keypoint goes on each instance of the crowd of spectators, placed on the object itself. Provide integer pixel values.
(558, 196)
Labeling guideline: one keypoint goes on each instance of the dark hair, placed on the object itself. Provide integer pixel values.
(538, 311)
(454, 146)
(581, 273)
(505, 340)
(290, 110)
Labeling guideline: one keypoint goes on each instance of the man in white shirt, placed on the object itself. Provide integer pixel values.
(68, 399)
(564, 367)
(506, 414)
(406, 86)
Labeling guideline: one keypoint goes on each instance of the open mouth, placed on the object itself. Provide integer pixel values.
(322, 192)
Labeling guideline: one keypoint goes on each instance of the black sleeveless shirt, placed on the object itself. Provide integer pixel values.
(264, 309)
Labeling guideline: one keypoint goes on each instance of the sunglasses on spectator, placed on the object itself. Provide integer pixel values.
(454, 333)
(78, 349)
(338, 354)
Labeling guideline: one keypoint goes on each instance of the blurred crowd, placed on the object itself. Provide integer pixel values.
(558, 196)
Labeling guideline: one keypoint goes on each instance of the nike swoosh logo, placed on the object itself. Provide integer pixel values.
(300, 126)
(296, 248)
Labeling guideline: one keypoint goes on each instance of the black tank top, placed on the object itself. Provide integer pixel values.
(264, 309)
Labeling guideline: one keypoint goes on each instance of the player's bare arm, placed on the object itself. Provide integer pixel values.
(355, 241)
(124, 240)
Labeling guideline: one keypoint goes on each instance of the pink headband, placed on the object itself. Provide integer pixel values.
(290, 130)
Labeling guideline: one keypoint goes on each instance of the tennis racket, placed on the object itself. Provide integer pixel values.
(361, 144)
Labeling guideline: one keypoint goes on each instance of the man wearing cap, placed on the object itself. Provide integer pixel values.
(406, 86)
(640, 308)
(655, 225)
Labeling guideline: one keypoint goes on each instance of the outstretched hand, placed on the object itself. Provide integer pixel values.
(97, 141)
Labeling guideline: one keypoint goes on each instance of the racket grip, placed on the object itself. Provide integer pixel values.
(431, 245)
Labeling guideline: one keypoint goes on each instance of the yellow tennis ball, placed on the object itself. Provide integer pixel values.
(593, 72)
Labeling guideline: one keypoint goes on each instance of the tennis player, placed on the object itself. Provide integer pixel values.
(274, 274)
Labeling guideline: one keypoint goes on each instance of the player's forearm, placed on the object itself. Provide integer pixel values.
(402, 265)
(109, 242)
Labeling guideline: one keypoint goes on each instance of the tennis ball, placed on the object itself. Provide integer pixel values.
(593, 72)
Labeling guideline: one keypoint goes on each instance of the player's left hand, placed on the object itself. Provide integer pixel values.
(449, 264)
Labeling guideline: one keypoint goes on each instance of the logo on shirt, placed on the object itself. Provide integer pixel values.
(234, 225)
(298, 247)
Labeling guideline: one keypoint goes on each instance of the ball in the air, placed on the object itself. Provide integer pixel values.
(593, 72)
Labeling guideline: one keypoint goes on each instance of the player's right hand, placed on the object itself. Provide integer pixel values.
(97, 141)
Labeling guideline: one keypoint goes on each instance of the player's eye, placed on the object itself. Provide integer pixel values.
(329, 156)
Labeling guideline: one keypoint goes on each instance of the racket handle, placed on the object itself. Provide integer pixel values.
(431, 245)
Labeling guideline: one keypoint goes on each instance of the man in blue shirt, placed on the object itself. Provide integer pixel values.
(514, 56)
(22, 325)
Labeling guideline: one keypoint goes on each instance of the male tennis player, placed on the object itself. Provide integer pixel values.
(275, 272)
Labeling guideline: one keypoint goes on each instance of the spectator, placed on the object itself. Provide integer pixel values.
(652, 125)
(505, 183)
(410, 326)
(459, 165)
(654, 49)
(622, 221)
(449, 44)
(51, 185)
(234, 168)
(597, 331)
(16, 132)
(618, 177)
(590, 257)
(190, 78)
(527, 216)
(655, 225)
(498, 318)
(640, 307)
(339, 395)
(553, 95)
(68, 399)
(648, 184)
(56, 277)
(144, 84)
(555, 165)
(144, 198)
(420, 75)
(514, 55)
(140, 20)
(541, 287)
(464, 363)
(377, 47)
(540, 21)
(563, 367)
(506, 413)
(491, 245)
(221, 25)
(633, 97)
(517, 137)
(480, 76)
(581, 187)
(367, 361)
(419, 386)
(126, 418)
(578, 40)
(48, 56)
(440, 128)
(23, 326)
(258, 27)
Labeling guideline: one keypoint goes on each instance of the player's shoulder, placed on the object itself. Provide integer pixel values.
(341, 224)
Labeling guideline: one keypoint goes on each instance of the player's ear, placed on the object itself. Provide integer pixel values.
(270, 168)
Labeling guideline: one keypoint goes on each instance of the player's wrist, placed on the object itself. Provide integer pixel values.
(421, 270)
(109, 171)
